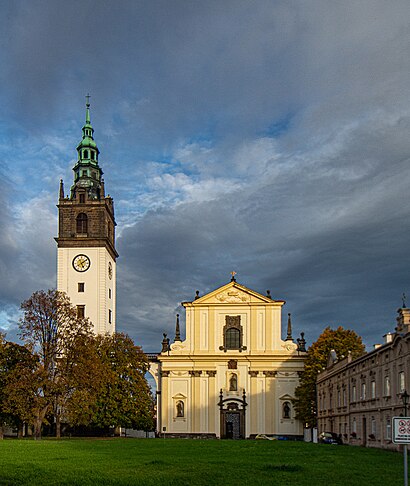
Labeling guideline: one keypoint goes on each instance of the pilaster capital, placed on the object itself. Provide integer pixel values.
(165, 373)
(211, 373)
(270, 374)
(195, 373)
(253, 373)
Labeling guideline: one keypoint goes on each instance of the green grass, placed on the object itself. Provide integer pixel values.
(193, 462)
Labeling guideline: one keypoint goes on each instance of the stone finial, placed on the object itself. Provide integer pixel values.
(268, 295)
(177, 330)
(289, 332)
(233, 279)
(61, 195)
(196, 294)
(102, 189)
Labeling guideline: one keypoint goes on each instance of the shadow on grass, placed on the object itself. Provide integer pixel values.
(282, 467)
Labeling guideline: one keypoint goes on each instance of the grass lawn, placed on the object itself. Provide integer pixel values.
(194, 462)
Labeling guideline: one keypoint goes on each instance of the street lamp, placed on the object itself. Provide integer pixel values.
(405, 398)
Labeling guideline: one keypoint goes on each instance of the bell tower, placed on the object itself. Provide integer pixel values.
(86, 254)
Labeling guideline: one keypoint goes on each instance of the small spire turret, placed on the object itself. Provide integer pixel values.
(61, 195)
(289, 333)
(177, 330)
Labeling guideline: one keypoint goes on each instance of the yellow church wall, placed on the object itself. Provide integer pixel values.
(267, 370)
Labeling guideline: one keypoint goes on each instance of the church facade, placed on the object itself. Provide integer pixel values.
(233, 376)
(86, 254)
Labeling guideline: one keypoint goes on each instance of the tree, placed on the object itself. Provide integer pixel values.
(343, 341)
(125, 400)
(16, 363)
(52, 330)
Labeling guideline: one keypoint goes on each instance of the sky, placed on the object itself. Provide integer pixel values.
(270, 138)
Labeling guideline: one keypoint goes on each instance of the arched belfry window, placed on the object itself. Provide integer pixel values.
(232, 334)
(82, 223)
(86, 154)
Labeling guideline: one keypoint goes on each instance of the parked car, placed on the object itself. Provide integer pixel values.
(330, 438)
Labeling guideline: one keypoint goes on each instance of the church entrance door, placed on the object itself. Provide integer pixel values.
(232, 416)
(233, 425)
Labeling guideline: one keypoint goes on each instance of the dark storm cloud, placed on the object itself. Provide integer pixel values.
(270, 138)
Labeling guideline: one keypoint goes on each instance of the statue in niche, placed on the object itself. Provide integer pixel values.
(180, 408)
(286, 410)
(233, 382)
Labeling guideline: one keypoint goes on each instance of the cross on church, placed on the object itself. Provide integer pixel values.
(88, 99)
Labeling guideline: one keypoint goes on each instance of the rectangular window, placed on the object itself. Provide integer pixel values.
(81, 311)
(344, 397)
(363, 391)
(373, 389)
(388, 429)
(339, 399)
(373, 426)
(109, 293)
(402, 385)
(387, 386)
(82, 198)
(109, 316)
(354, 426)
(81, 286)
(354, 393)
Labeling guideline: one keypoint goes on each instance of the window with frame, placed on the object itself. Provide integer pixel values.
(363, 397)
(232, 334)
(109, 316)
(81, 311)
(373, 389)
(402, 382)
(388, 428)
(387, 386)
(81, 286)
(82, 223)
(82, 198)
(354, 393)
(354, 426)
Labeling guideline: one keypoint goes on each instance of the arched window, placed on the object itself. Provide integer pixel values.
(233, 382)
(86, 154)
(286, 410)
(82, 223)
(232, 334)
(232, 338)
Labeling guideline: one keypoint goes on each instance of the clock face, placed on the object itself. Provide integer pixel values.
(110, 270)
(81, 263)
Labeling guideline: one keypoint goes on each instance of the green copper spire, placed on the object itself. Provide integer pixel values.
(87, 173)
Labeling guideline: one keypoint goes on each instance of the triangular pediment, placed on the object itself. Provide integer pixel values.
(233, 293)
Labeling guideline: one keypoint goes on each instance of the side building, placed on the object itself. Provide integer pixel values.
(358, 398)
(86, 255)
(233, 376)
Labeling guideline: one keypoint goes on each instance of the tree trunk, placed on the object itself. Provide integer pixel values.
(58, 426)
(20, 430)
(38, 422)
(1, 431)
